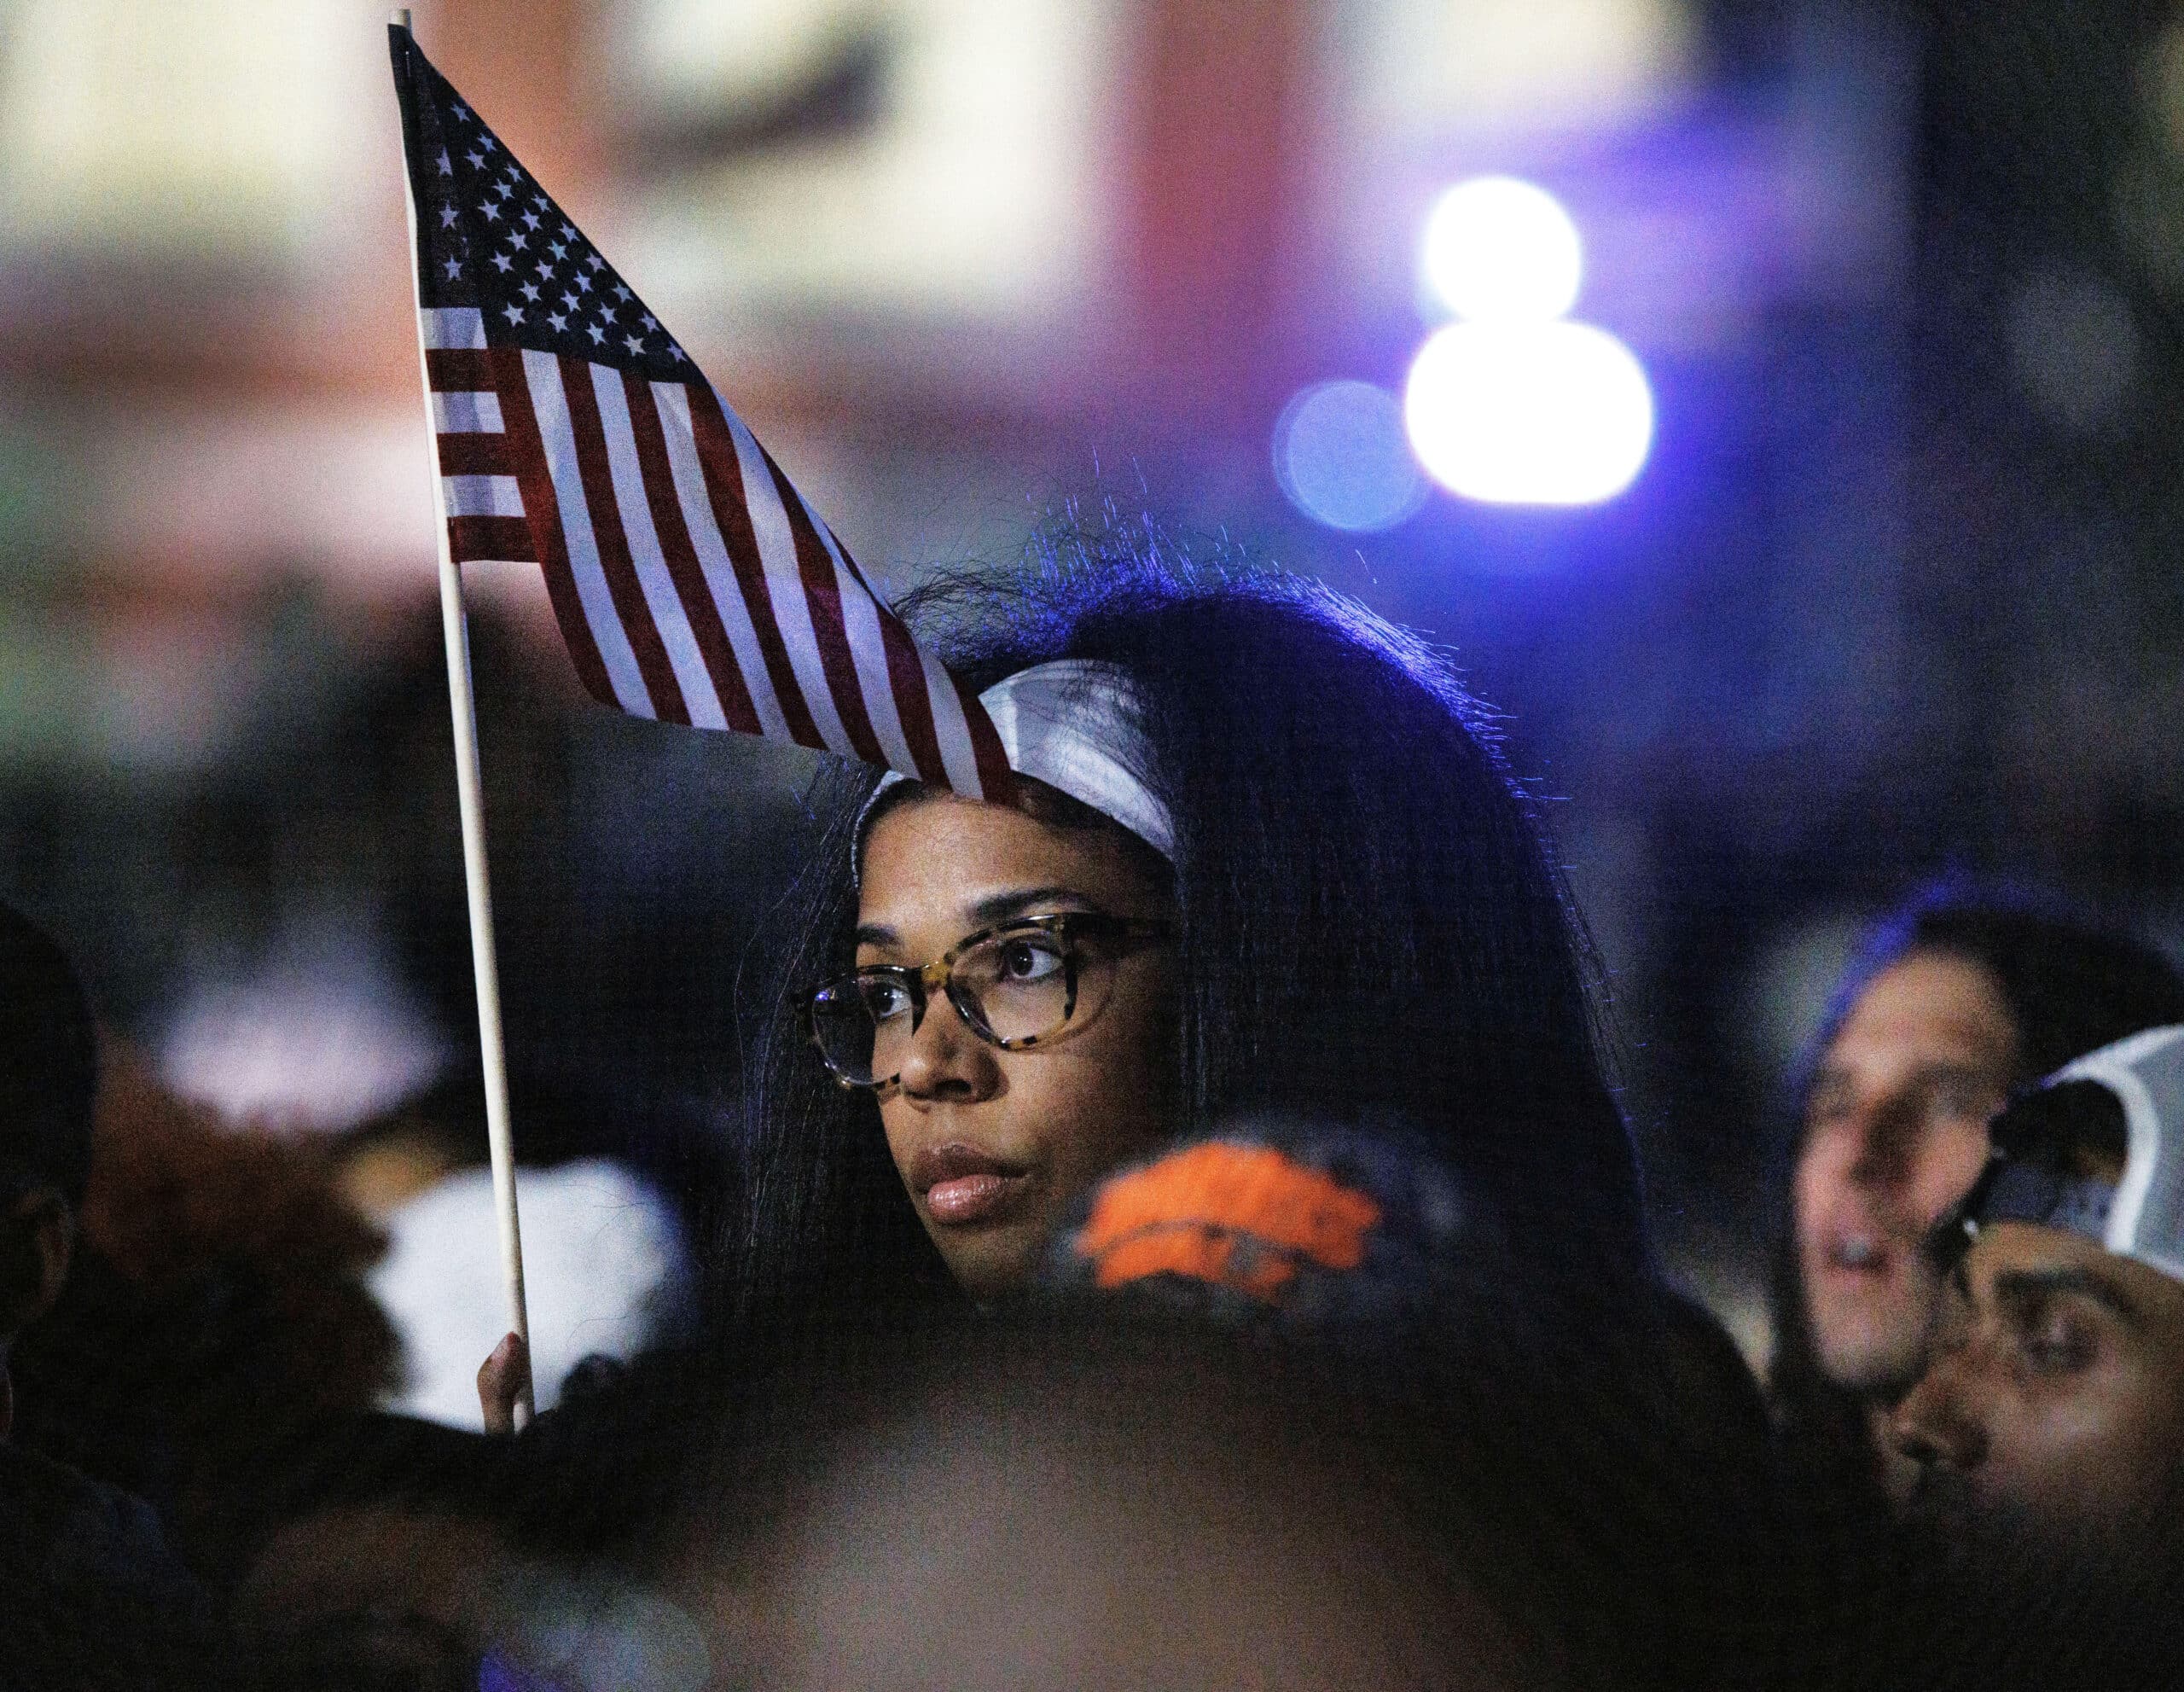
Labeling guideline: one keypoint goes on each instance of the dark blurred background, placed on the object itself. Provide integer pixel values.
(1893, 590)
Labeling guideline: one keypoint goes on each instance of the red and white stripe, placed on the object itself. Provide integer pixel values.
(692, 581)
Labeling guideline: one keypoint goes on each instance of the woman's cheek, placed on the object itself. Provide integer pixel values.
(1119, 1113)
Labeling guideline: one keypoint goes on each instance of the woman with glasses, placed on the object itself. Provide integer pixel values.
(1303, 885)
(1009, 1011)
(1265, 876)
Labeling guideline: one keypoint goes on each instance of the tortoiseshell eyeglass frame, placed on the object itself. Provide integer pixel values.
(920, 981)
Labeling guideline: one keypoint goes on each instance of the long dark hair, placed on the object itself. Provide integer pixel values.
(2071, 986)
(1370, 925)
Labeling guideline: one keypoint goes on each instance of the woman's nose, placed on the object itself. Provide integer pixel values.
(1937, 1425)
(946, 1061)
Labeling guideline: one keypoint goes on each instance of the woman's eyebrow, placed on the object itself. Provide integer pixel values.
(875, 934)
(999, 907)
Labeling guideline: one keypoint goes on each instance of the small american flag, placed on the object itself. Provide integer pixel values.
(691, 580)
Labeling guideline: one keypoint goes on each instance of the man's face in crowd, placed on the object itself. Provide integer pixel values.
(1895, 1133)
(2053, 1409)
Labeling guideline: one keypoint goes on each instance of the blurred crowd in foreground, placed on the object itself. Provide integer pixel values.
(1186, 1237)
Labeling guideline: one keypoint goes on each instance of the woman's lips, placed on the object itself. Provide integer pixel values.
(963, 1185)
(970, 1198)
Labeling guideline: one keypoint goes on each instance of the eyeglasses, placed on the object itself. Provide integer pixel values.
(1015, 986)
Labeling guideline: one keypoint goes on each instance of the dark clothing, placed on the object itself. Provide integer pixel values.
(93, 1595)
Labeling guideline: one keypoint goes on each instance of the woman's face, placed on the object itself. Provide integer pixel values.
(993, 1146)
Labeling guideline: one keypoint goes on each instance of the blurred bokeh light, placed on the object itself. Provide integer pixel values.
(1529, 413)
(1496, 248)
(1341, 455)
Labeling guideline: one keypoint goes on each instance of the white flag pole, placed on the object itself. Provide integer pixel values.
(464, 705)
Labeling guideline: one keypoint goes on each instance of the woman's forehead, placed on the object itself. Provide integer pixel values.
(940, 843)
(942, 856)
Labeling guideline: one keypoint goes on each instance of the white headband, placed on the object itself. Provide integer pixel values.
(1074, 724)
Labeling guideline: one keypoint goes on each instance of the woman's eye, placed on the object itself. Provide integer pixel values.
(1029, 961)
(885, 999)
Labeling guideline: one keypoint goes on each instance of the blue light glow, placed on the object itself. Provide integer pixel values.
(1498, 250)
(1529, 413)
(1340, 456)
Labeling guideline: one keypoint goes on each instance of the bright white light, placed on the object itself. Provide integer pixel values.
(1529, 414)
(1498, 250)
(1340, 456)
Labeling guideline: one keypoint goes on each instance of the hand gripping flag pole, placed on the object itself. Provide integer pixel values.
(692, 582)
(464, 708)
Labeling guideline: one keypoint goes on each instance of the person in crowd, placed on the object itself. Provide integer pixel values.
(1362, 1246)
(1285, 1407)
(49, 1077)
(93, 1593)
(1957, 1001)
(2047, 1427)
(215, 1316)
(1095, 1503)
(1266, 857)
(1265, 863)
